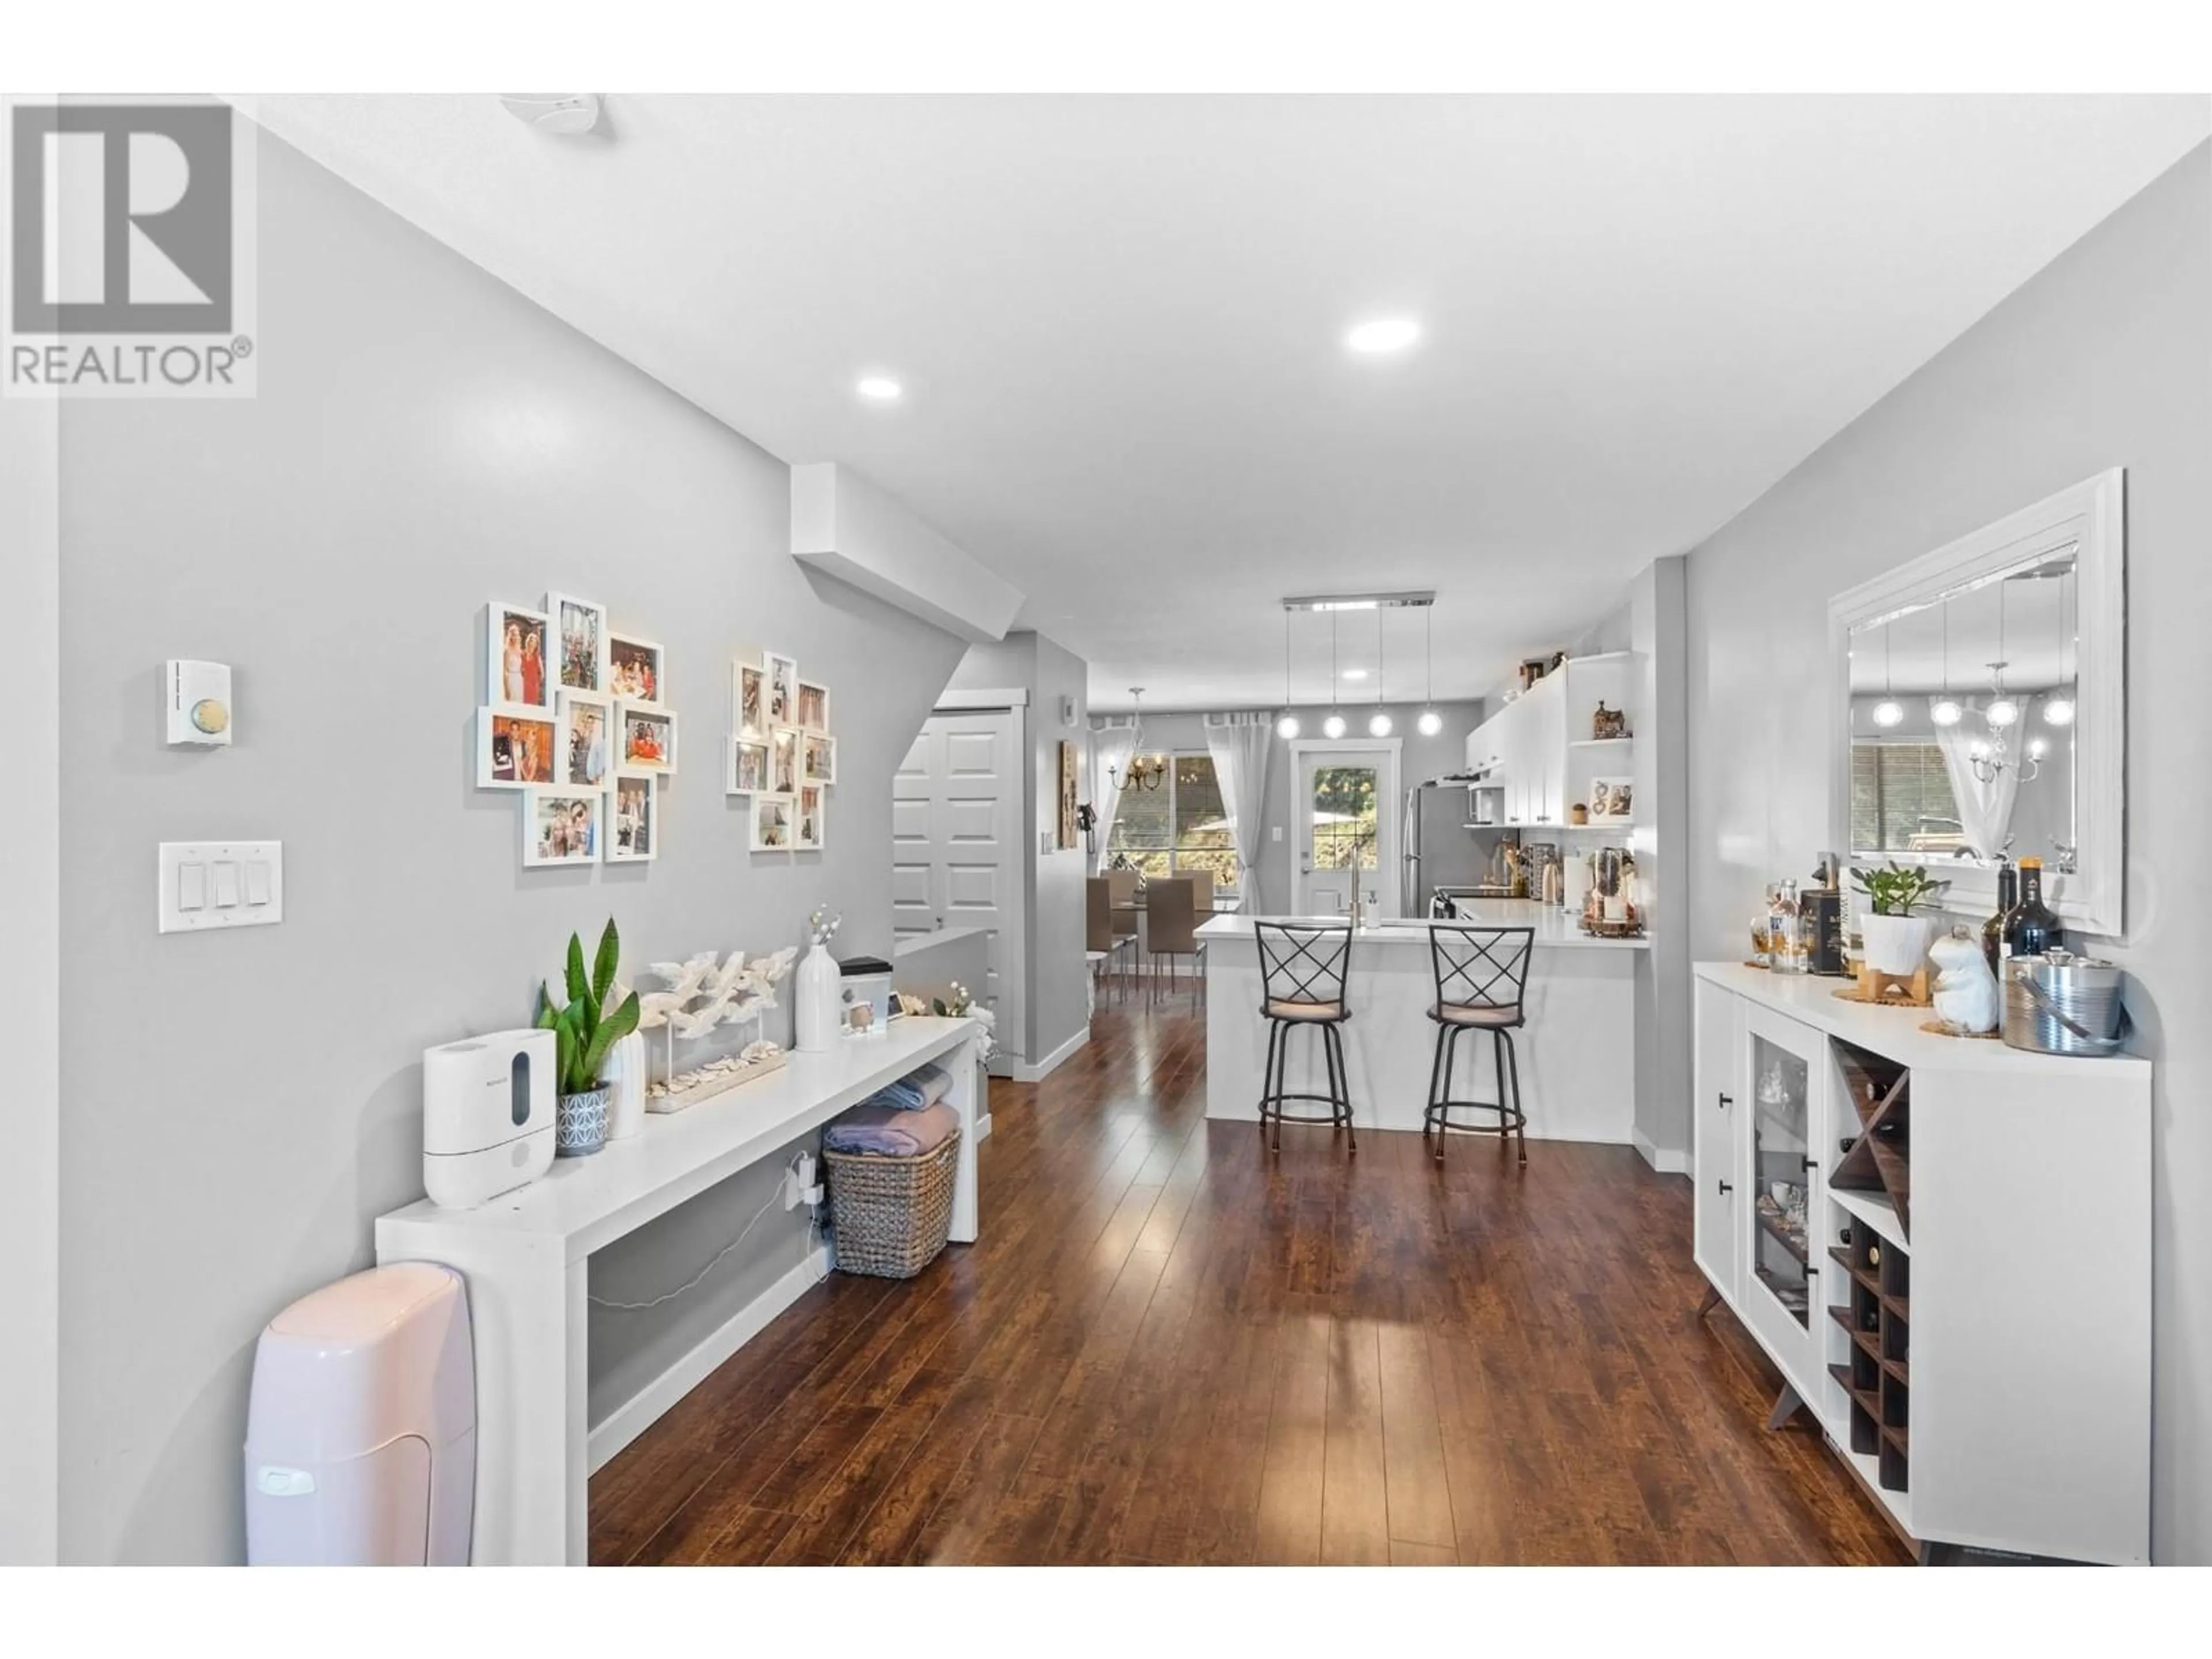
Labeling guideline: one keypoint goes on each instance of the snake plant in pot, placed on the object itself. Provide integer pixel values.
(582, 1035)
(1896, 940)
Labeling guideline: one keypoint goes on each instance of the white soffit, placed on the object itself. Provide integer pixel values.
(843, 526)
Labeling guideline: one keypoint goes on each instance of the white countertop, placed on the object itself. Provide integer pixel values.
(1894, 1031)
(582, 1202)
(1556, 930)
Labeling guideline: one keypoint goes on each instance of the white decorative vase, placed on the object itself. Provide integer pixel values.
(625, 1077)
(815, 1000)
(1896, 944)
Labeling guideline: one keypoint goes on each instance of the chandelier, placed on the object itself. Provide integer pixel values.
(1142, 771)
(2002, 747)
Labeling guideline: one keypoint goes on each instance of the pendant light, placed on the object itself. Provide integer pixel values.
(1287, 727)
(1332, 727)
(1888, 712)
(1378, 723)
(1431, 722)
(2002, 711)
(2059, 710)
(1945, 710)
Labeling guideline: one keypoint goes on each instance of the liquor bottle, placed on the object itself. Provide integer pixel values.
(1786, 943)
(2032, 929)
(1993, 930)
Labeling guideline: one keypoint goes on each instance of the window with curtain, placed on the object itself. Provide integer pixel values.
(1177, 827)
(1901, 798)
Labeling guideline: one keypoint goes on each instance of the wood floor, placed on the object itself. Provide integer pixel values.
(1170, 1346)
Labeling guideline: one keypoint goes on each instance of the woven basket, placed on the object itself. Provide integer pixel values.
(891, 1214)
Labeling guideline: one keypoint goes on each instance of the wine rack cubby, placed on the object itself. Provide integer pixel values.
(1879, 1158)
(1876, 1375)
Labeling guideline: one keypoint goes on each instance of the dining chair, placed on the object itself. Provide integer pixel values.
(1123, 883)
(1202, 891)
(1171, 931)
(1102, 946)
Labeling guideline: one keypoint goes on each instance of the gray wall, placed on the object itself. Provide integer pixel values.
(239, 1107)
(2103, 359)
(1452, 856)
(1056, 1007)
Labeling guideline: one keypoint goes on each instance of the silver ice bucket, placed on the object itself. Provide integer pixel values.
(2062, 1004)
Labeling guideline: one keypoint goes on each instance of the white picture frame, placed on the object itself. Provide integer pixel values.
(647, 738)
(783, 753)
(748, 768)
(749, 720)
(507, 684)
(810, 827)
(555, 835)
(633, 826)
(813, 711)
(771, 816)
(517, 747)
(782, 689)
(818, 757)
(584, 755)
(579, 642)
(634, 660)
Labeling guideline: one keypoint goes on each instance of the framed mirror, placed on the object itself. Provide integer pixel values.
(1979, 709)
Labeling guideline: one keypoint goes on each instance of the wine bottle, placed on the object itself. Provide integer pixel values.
(2032, 929)
(1993, 930)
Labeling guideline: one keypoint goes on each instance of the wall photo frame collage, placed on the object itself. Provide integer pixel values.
(781, 756)
(576, 717)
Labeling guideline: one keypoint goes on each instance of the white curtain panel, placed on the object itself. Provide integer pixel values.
(1110, 747)
(1239, 744)
(1984, 809)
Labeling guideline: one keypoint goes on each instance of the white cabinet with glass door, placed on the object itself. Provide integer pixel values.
(1345, 816)
(1783, 1103)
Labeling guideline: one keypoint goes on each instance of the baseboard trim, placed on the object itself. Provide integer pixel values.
(1665, 1160)
(1022, 1070)
(636, 1414)
(982, 1129)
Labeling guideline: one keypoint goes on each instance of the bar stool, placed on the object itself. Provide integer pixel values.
(1302, 969)
(1482, 973)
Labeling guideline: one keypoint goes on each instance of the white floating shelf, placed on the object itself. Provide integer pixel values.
(1602, 743)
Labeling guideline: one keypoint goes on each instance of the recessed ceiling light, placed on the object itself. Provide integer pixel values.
(878, 389)
(1355, 673)
(1384, 334)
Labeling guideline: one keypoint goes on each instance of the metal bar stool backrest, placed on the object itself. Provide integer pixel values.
(1480, 967)
(1303, 965)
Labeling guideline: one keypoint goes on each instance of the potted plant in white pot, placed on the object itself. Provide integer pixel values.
(582, 1035)
(1896, 940)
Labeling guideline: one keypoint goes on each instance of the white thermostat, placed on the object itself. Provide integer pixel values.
(197, 696)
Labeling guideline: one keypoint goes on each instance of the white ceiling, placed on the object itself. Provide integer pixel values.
(1119, 321)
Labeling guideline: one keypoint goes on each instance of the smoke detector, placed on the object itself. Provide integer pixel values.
(570, 115)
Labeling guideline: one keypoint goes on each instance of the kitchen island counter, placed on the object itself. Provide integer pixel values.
(1577, 1051)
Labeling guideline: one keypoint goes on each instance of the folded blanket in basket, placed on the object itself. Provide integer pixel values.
(875, 1127)
(924, 1086)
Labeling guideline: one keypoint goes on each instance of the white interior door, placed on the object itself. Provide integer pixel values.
(955, 848)
(1344, 815)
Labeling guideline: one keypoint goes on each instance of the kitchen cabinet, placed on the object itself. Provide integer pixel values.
(1521, 753)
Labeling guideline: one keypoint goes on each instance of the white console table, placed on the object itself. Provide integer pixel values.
(1971, 1329)
(525, 1257)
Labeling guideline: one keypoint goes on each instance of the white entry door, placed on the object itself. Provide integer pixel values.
(1344, 815)
(955, 847)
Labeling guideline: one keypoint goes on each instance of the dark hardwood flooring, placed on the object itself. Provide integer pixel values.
(1170, 1346)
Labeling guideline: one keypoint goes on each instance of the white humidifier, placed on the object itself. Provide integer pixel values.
(487, 1116)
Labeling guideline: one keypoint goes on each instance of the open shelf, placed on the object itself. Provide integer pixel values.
(1602, 743)
(1875, 1374)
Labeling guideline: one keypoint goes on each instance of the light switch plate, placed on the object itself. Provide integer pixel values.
(210, 870)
